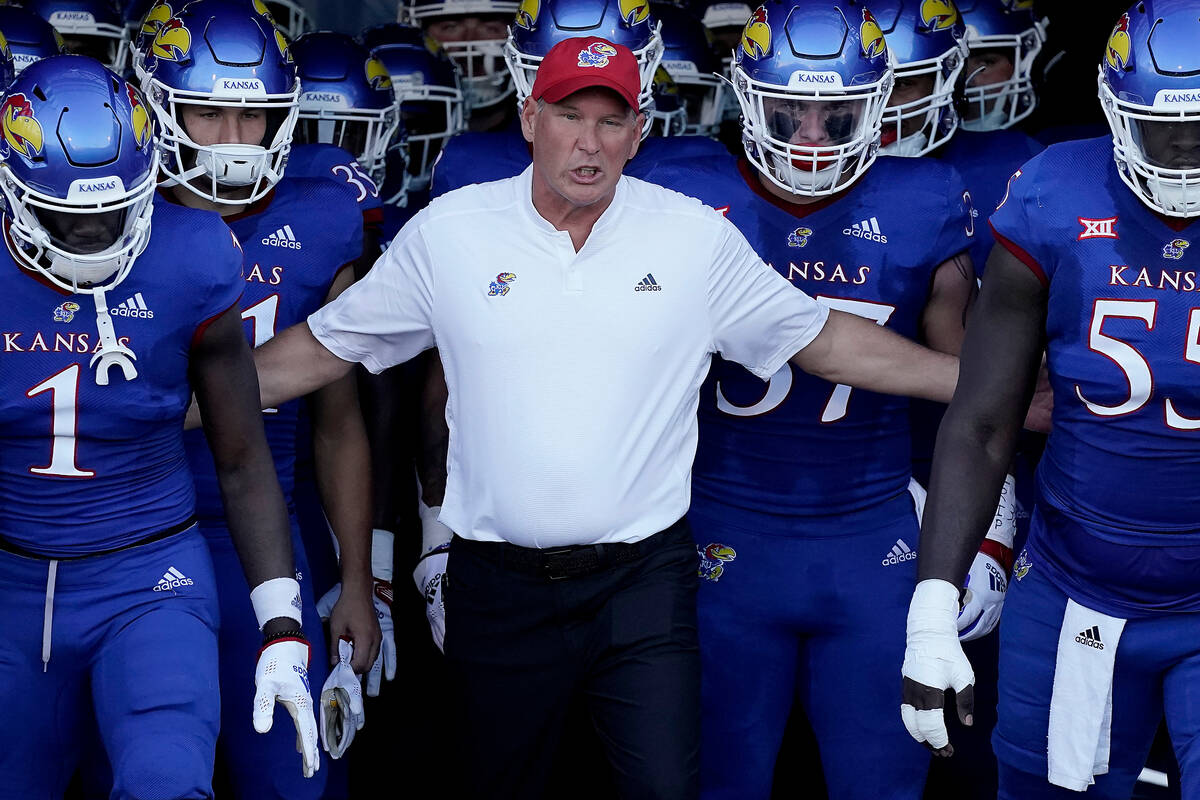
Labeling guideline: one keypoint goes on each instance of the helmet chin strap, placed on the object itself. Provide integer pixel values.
(233, 164)
(909, 146)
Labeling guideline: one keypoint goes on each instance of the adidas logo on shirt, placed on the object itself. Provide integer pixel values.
(282, 238)
(1091, 638)
(900, 553)
(133, 307)
(867, 229)
(172, 579)
(647, 284)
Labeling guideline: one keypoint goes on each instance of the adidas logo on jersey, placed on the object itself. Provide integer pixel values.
(282, 238)
(133, 307)
(647, 284)
(867, 229)
(172, 579)
(901, 552)
(1091, 638)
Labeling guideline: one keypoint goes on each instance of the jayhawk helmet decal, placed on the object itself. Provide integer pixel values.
(22, 131)
(139, 116)
(156, 17)
(527, 13)
(173, 41)
(282, 44)
(1116, 55)
(756, 37)
(939, 15)
(871, 35)
(377, 74)
(635, 11)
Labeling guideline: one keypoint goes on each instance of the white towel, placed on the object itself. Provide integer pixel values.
(1081, 703)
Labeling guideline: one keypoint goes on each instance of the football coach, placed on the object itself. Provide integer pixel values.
(576, 311)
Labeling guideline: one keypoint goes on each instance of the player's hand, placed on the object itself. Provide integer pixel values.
(430, 574)
(933, 662)
(987, 582)
(375, 640)
(282, 676)
(342, 713)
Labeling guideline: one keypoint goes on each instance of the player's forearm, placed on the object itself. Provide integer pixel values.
(256, 515)
(293, 364)
(343, 473)
(435, 435)
(856, 352)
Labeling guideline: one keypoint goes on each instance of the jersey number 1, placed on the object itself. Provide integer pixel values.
(63, 387)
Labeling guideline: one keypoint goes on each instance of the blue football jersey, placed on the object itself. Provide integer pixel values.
(86, 468)
(985, 159)
(1122, 461)
(797, 444)
(295, 240)
(331, 161)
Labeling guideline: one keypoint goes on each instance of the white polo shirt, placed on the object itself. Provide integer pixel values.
(573, 377)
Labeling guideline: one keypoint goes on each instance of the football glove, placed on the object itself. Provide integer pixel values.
(934, 658)
(381, 596)
(282, 676)
(342, 713)
(430, 574)
(987, 581)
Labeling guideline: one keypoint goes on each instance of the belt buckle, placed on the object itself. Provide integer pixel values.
(556, 570)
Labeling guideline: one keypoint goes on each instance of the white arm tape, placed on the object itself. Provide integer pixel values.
(382, 545)
(278, 597)
(934, 607)
(1004, 524)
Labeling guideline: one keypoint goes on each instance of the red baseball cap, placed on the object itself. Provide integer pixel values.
(584, 62)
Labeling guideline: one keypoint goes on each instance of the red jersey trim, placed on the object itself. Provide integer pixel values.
(1020, 255)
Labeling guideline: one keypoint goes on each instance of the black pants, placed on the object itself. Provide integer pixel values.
(520, 646)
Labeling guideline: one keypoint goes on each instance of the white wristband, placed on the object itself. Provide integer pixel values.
(278, 597)
(1004, 524)
(382, 544)
(434, 535)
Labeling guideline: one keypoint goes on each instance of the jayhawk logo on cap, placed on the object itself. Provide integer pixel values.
(871, 35)
(1116, 55)
(377, 74)
(597, 54)
(173, 41)
(939, 15)
(22, 131)
(139, 117)
(756, 36)
(527, 13)
(156, 17)
(634, 11)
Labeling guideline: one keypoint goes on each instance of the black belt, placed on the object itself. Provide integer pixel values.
(574, 561)
(178, 527)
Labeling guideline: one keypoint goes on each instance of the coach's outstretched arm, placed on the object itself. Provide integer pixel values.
(293, 364)
(857, 352)
(975, 445)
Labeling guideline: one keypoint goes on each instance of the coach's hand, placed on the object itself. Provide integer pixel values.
(282, 676)
(933, 662)
(430, 574)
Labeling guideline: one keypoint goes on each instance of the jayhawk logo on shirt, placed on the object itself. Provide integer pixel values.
(500, 286)
(173, 41)
(22, 131)
(756, 36)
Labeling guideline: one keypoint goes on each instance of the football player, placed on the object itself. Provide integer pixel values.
(225, 89)
(1092, 265)
(89, 27)
(119, 308)
(801, 507)
(29, 37)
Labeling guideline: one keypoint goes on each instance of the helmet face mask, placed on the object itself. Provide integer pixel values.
(812, 119)
(88, 27)
(477, 49)
(1155, 114)
(1000, 33)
